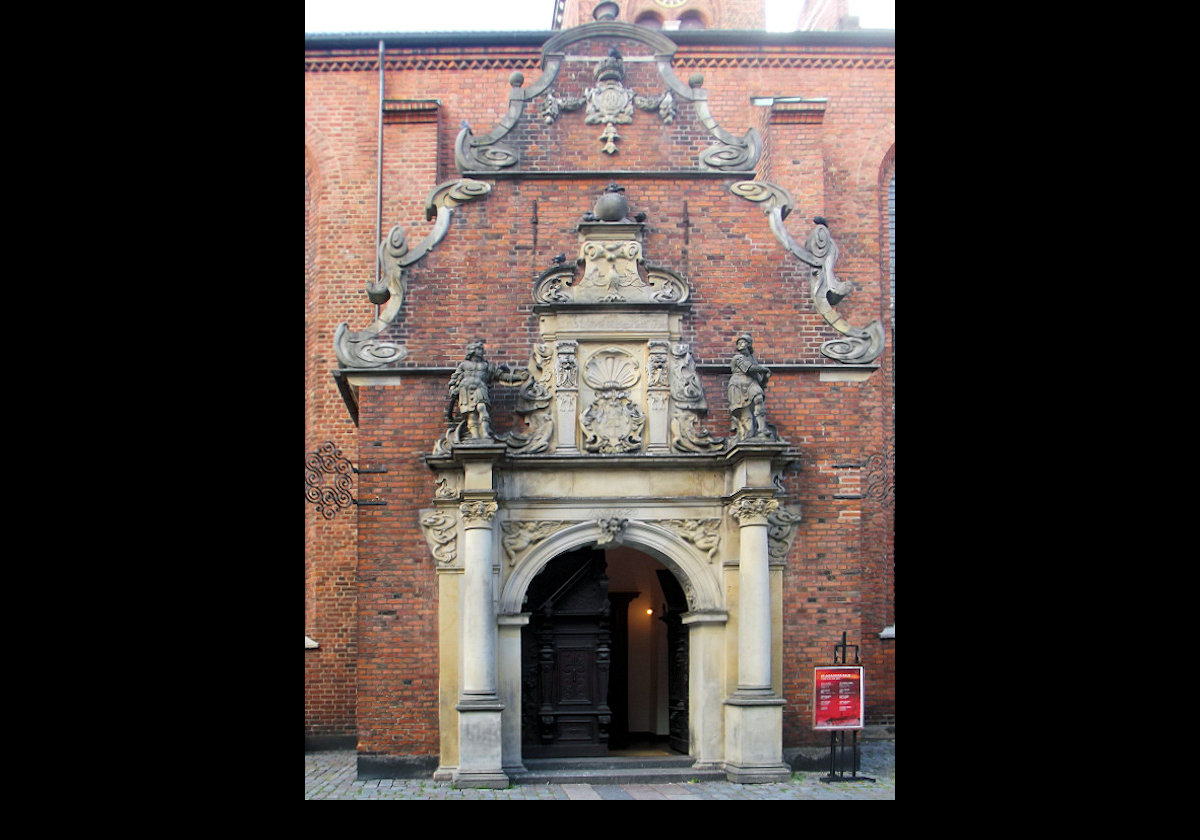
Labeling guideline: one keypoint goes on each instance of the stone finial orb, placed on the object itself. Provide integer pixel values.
(612, 206)
(696, 80)
(607, 10)
(517, 78)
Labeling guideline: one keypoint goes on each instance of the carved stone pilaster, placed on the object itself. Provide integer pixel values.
(658, 392)
(567, 395)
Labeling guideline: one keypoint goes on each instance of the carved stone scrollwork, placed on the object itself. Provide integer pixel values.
(737, 156)
(665, 286)
(520, 536)
(328, 460)
(482, 154)
(611, 268)
(781, 527)
(705, 534)
(555, 285)
(689, 405)
(533, 404)
(365, 349)
(441, 531)
(819, 253)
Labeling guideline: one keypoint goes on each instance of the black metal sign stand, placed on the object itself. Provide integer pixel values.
(836, 775)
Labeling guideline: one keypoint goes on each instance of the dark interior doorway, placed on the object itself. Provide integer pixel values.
(575, 660)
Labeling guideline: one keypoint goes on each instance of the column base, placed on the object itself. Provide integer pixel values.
(754, 739)
(479, 752)
(482, 779)
(764, 774)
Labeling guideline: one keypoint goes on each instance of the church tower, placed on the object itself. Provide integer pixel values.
(665, 14)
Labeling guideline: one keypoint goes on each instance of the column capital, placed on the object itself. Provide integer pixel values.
(753, 510)
(477, 514)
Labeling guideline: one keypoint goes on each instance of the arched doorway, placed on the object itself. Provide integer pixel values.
(604, 657)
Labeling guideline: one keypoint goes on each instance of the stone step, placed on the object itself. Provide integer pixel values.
(614, 771)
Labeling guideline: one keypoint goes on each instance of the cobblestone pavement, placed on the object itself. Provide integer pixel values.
(331, 775)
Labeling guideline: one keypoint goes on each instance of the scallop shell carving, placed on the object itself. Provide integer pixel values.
(611, 370)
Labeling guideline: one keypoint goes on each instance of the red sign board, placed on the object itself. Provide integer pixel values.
(838, 697)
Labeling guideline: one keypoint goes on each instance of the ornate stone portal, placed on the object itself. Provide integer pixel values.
(616, 454)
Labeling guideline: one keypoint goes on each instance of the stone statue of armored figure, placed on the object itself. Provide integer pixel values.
(470, 400)
(747, 394)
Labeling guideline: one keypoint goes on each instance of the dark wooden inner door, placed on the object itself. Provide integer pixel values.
(574, 660)
(566, 656)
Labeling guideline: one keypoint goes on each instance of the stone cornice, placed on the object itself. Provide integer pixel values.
(366, 63)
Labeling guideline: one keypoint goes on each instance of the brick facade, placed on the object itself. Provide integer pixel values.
(826, 115)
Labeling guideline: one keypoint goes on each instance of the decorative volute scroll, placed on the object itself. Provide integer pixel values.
(781, 528)
(533, 404)
(441, 532)
(860, 345)
(688, 405)
(608, 103)
(364, 349)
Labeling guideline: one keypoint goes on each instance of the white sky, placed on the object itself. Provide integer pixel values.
(327, 16)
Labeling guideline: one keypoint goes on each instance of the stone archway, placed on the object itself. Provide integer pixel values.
(705, 623)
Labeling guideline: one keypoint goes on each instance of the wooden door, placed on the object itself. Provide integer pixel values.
(566, 656)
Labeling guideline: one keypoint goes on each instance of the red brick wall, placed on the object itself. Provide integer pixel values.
(477, 283)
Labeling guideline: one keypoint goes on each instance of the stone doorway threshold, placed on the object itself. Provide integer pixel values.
(642, 761)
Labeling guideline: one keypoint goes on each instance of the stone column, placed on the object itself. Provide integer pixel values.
(754, 714)
(754, 595)
(479, 705)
